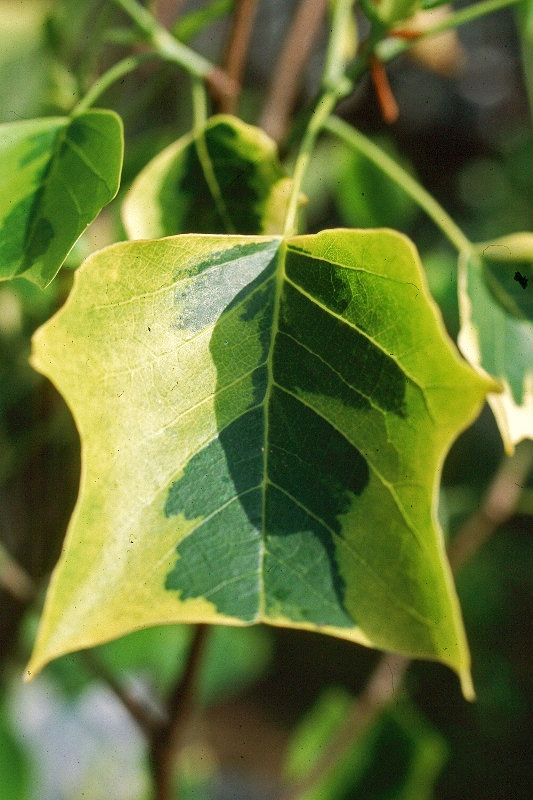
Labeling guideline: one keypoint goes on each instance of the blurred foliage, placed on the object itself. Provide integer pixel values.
(468, 137)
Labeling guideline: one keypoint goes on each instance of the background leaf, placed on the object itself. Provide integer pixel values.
(263, 425)
(507, 265)
(398, 758)
(55, 176)
(365, 196)
(499, 342)
(224, 179)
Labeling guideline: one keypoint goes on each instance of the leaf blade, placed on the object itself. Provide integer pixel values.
(224, 178)
(293, 421)
(500, 344)
(55, 176)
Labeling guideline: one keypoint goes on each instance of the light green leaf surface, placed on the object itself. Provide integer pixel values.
(496, 336)
(55, 176)
(263, 424)
(225, 178)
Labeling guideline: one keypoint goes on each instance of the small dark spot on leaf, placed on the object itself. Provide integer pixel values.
(521, 279)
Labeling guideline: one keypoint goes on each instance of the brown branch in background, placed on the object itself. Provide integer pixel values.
(167, 11)
(149, 719)
(290, 66)
(237, 50)
(14, 578)
(387, 101)
(221, 85)
(497, 507)
(163, 725)
(165, 741)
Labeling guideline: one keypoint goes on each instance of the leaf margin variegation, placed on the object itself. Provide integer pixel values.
(514, 418)
(103, 286)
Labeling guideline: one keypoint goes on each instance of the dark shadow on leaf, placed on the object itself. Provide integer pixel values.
(269, 492)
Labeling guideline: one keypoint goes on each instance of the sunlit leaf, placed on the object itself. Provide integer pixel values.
(224, 179)
(496, 336)
(263, 424)
(55, 176)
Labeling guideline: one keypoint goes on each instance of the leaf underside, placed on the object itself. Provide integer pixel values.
(263, 423)
(56, 174)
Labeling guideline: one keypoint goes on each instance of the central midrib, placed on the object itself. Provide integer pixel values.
(278, 287)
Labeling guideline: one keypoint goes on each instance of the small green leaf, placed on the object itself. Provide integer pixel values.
(224, 179)
(495, 334)
(263, 424)
(55, 176)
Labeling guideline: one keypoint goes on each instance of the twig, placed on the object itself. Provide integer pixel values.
(498, 506)
(167, 11)
(292, 60)
(14, 578)
(172, 50)
(147, 719)
(165, 741)
(163, 726)
(387, 101)
(237, 51)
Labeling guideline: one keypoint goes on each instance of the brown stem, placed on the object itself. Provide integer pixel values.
(290, 65)
(498, 505)
(147, 719)
(237, 50)
(14, 579)
(387, 101)
(221, 85)
(166, 738)
(167, 11)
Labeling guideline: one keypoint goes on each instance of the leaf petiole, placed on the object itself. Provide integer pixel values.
(335, 86)
(169, 48)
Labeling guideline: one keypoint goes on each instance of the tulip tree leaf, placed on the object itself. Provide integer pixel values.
(56, 174)
(223, 179)
(496, 335)
(263, 424)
